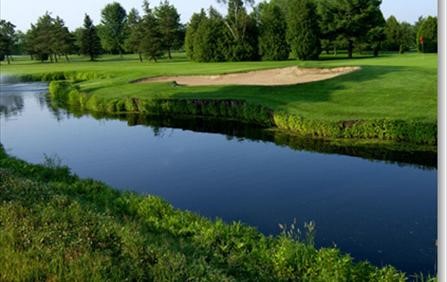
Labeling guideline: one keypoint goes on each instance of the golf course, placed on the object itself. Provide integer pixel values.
(226, 140)
(389, 99)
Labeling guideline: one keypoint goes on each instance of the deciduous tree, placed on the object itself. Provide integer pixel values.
(428, 35)
(7, 39)
(169, 24)
(113, 31)
(351, 19)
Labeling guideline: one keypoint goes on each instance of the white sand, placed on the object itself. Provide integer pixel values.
(282, 76)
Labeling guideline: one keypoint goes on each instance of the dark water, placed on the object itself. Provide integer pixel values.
(377, 204)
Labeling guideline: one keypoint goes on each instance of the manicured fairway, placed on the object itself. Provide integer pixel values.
(391, 87)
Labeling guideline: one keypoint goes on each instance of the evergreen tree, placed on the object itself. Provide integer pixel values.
(90, 42)
(272, 33)
(169, 24)
(209, 41)
(7, 40)
(113, 30)
(428, 35)
(242, 34)
(303, 32)
(191, 32)
(151, 42)
(134, 28)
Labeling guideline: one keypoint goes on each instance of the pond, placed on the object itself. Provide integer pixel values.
(377, 204)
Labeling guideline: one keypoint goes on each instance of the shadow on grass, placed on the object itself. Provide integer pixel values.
(281, 96)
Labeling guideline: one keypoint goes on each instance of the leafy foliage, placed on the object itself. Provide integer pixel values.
(428, 32)
(7, 39)
(351, 19)
(113, 29)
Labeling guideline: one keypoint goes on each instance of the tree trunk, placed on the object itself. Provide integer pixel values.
(8, 59)
(335, 51)
(120, 52)
(350, 48)
(376, 52)
(140, 57)
(169, 54)
(66, 58)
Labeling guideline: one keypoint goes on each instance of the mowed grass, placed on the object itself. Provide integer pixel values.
(392, 86)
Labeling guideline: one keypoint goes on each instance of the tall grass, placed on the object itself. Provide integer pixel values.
(55, 226)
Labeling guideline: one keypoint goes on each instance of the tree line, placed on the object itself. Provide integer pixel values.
(273, 30)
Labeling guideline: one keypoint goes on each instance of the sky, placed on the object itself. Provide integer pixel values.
(24, 12)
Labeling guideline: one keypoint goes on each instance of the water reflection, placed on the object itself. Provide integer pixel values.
(379, 205)
(424, 157)
(12, 96)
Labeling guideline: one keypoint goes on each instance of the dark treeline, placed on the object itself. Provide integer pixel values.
(272, 30)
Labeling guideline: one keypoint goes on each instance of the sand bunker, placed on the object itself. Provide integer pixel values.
(282, 76)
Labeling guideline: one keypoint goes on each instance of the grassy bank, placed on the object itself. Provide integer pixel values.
(393, 97)
(55, 226)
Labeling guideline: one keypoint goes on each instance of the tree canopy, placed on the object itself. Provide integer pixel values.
(428, 35)
(90, 42)
(113, 29)
(7, 39)
(350, 19)
(303, 31)
(272, 32)
(169, 25)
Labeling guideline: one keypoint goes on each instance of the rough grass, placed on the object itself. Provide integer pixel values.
(57, 227)
(392, 97)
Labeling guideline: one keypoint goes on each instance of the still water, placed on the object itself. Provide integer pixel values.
(377, 205)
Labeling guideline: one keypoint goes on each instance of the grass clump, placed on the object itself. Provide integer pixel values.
(55, 226)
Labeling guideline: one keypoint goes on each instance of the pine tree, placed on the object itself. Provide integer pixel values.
(169, 24)
(90, 42)
(151, 43)
(209, 40)
(191, 32)
(134, 28)
(272, 33)
(303, 31)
